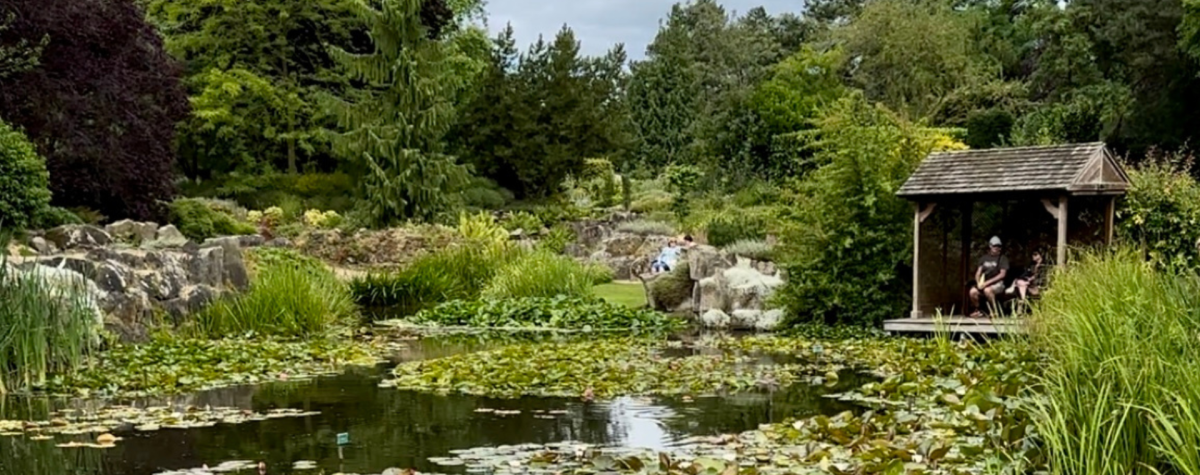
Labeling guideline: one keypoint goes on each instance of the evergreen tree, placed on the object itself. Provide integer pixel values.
(394, 128)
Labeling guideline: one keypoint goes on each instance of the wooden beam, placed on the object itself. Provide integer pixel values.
(919, 215)
(923, 214)
(1110, 218)
(967, 270)
(1050, 208)
(1062, 230)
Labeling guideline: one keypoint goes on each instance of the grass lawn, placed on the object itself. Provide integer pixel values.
(623, 293)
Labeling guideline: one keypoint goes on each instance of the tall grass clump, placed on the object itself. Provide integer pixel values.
(287, 298)
(1120, 387)
(458, 272)
(45, 327)
(541, 274)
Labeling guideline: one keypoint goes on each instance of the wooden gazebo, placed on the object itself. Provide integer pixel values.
(1032, 197)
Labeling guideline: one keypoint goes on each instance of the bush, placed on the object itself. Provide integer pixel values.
(1119, 389)
(45, 327)
(263, 257)
(557, 239)
(1161, 213)
(843, 229)
(554, 312)
(290, 296)
(522, 220)
(730, 228)
(458, 272)
(53, 216)
(24, 181)
(657, 200)
(751, 249)
(200, 219)
(672, 289)
(646, 228)
(600, 273)
(540, 274)
(481, 228)
(482, 193)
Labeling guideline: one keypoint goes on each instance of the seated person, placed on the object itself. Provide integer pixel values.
(667, 257)
(688, 242)
(1030, 283)
(989, 277)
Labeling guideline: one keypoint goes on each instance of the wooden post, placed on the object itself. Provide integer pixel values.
(1110, 217)
(1063, 215)
(968, 226)
(916, 290)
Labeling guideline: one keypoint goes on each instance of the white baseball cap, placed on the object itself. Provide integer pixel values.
(995, 241)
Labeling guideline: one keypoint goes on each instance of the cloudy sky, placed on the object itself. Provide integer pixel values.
(599, 24)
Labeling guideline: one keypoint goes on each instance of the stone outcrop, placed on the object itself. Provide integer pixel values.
(377, 248)
(133, 271)
(724, 291)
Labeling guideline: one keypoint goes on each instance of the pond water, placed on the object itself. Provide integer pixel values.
(392, 428)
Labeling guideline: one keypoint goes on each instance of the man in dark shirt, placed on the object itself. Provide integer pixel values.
(989, 276)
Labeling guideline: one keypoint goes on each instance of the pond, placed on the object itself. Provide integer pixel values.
(393, 428)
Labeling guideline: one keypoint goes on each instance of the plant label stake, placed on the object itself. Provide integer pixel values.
(343, 439)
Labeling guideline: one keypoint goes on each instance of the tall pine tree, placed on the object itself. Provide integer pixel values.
(394, 127)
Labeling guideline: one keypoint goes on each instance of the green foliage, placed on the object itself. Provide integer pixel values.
(540, 274)
(324, 191)
(522, 220)
(599, 273)
(481, 228)
(24, 182)
(54, 216)
(568, 312)
(990, 128)
(557, 239)
(457, 272)
(200, 219)
(843, 230)
(646, 228)
(290, 296)
(46, 327)
(913, 55)
(21, 56)
(260, 258)
(683, 181)
(539, 115)
(1161, 212)
(395, 129)
(1118, 390)
(168, 366)
(673, 288)
(751, 249)
(729, 229)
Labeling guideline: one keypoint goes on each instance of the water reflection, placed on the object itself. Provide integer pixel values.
(392, 428)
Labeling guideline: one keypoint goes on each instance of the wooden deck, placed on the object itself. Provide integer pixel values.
(979, 326)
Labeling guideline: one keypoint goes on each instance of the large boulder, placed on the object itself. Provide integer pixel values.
(234, 264)
(623, 244)
(705, 261)
(168, 236)
(74, 236)
(132, 231)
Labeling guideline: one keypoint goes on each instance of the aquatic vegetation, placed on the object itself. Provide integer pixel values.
(94, 428)
(174, 366)
(288, 297)
(551, 312)
(45, 327)
(594, 368)
(1121, 385)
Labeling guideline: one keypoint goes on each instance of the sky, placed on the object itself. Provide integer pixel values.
(600, 24)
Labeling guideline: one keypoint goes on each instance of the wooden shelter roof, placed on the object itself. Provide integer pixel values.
(1072, 169)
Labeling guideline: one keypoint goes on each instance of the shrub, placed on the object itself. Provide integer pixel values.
(24, 182)
(657, 200)
(1119, 388)
(1161, 213)
(326, 220)
(481, 228)
(673, 288)
(290, 296)
(730, 228)
(198, 219)
(751, 249)
(45, 327)
(522, 220)
(646, 228)
(482, 193)
(553, 312)
(54, 216)
(756, 194)
(264, 257)
(843, 230)
(540, 274)
(600, 273)
(557, 239)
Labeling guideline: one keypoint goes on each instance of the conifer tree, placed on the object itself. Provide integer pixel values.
(394, 127)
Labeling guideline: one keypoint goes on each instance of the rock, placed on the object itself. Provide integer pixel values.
(516, 235)
(168, 236)
(279, 242)
(74, 236)
(711, 295)
(715, 318)
(770, 320)
(191, 299)
(42, 246)
(68, 284)
(132, 231)
(623, 245)
(705, 261)
(253, 240)
(208, 266)
(236, 274)
(745, 319)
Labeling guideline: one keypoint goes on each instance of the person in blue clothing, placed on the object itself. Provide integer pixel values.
(667, 257)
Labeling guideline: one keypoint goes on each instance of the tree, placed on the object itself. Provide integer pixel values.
(101, 105)
(23, 178)
(798, 91)
(20, 55)
(394, 128)
(913, 54)
(540, 115)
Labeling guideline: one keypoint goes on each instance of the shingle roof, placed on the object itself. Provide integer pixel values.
(1069, 168)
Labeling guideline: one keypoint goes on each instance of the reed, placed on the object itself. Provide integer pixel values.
(45, 327)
